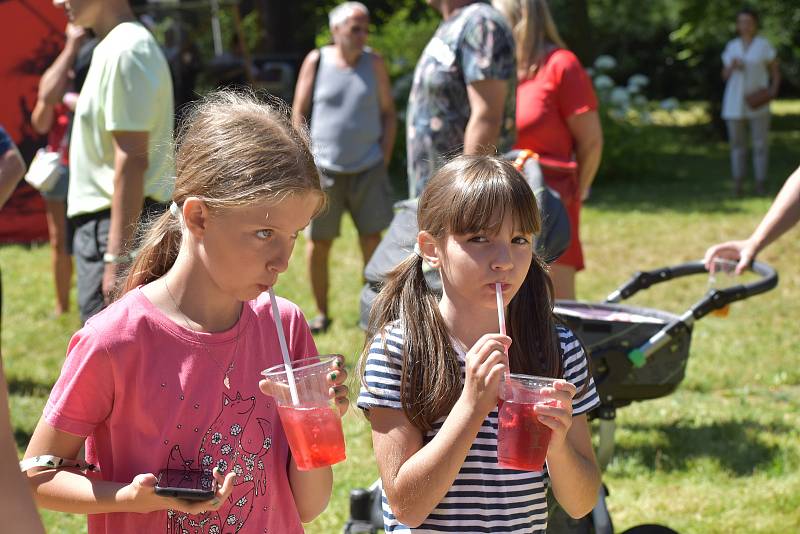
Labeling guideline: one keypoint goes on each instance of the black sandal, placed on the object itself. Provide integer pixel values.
(319, 324)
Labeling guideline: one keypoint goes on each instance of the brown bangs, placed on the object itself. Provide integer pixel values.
(481, 195)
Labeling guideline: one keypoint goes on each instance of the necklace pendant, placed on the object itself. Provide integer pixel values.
(227, 382)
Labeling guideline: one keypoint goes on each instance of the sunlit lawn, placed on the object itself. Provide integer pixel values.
(720, 455)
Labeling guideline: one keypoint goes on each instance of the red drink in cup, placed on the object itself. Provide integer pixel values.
(314, 434)
(522, 439)
(313, 427)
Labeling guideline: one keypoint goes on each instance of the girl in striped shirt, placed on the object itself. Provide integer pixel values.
(432, 368)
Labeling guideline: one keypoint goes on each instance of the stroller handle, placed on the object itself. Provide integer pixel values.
(713, 300)
(644, 279)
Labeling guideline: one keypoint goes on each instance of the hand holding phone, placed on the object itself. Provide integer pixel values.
(189, 484)
(185, 494)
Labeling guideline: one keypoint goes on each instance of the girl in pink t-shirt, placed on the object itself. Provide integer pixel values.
(167, 376)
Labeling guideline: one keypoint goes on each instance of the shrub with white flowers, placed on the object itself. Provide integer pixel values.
(624, 110)
(605, 63)
(624, 102)
(669, 104)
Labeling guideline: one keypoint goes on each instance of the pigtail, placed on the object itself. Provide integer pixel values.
(430, 381)
(532, 325)
(157, 254)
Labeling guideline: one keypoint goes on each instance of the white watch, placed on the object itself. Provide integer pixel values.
(116, 259)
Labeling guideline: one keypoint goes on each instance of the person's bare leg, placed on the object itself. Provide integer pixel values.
(563, 277)
(368, 245)
(61, 261)
(317, 253)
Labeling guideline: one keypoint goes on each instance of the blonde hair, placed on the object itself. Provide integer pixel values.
(533, 28)
(467, 195)
(233, 149)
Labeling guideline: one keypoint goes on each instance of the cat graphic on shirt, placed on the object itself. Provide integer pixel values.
(230, 444)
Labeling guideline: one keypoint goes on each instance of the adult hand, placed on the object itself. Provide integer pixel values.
(486, 362)
(74, 33)
(737, 63)
(559, 417)
(742, 251)
(142, 496)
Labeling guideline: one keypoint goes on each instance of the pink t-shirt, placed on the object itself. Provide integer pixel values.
(149, 396)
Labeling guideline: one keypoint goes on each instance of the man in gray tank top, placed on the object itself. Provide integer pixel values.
(345, 93)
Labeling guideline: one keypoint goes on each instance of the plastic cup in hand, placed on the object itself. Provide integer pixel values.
(720, 266)
(313, 426)
(522, 439)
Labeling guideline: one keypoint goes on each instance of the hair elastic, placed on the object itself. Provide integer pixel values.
(426, 267)
(176, 212)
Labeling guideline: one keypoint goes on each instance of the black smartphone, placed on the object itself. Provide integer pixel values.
(193, 485)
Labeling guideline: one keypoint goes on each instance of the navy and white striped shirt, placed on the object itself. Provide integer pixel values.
(484, 497)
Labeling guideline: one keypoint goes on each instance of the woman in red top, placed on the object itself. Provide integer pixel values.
(556, 118)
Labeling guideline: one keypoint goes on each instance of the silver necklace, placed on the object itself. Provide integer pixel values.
(226, 380)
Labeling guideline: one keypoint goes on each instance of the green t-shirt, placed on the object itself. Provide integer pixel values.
(128, 89)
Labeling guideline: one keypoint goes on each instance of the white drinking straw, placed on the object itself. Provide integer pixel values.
(501, 314)
(501, 319)
(276, 314)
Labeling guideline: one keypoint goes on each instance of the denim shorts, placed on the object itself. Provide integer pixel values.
(59, 191)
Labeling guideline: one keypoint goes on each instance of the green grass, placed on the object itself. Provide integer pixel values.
(722, 454)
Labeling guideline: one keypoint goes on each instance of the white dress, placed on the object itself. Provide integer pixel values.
(752, 77)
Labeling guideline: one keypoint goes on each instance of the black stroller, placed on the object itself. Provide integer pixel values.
(636, 353)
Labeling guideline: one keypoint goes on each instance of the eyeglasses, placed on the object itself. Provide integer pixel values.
(355, 29)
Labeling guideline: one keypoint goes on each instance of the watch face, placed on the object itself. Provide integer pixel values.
(117, 258)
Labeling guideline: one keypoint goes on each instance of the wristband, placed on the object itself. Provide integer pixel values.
(55, 462)
(118, 258)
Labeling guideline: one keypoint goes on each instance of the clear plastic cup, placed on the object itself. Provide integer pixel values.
(313, 427)
(721, 268)
(522, 439)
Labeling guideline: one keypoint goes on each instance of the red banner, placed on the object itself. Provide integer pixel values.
(31, 36)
